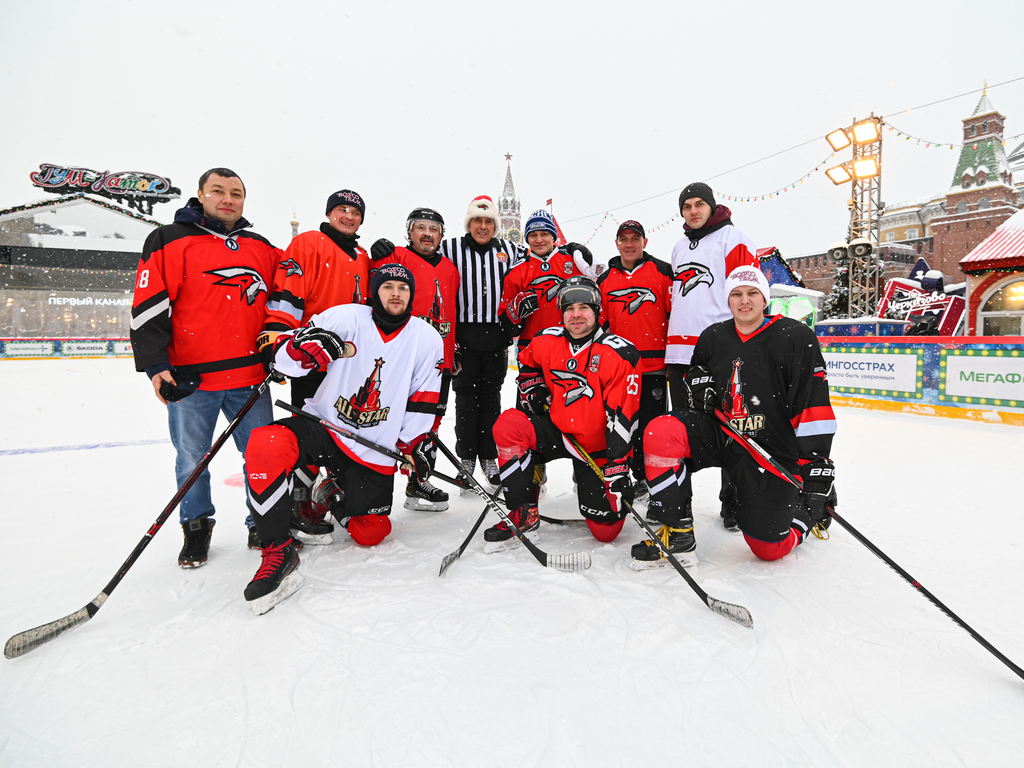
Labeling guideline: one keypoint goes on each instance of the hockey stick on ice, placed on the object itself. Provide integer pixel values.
(23, 642)
(736, 613)
(767, 461)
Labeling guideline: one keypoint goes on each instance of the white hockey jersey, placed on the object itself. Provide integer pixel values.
(387, 392)
(698, 286)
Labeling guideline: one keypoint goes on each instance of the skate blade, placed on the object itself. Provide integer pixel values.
(465, 493)
(289, 586)
(491, 547)
(422, 505)
(686, 559)
(315, 539)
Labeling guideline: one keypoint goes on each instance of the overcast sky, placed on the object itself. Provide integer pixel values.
(601, 104)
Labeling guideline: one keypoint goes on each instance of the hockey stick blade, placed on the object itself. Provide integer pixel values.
(736, 613)
(452, 557)
(30, 639)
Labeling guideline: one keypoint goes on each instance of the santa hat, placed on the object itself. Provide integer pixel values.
(483, 208)
(747, 275)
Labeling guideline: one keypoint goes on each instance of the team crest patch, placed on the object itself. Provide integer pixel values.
(567, 267)
(502, 257)
(231, 243)
(595, 361)
(364, 408)
(570, 364)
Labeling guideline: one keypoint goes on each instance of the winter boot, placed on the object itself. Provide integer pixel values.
(679, 541)
(500, 537)
(425, 497)
(277, 577)
(309, 519)
(491, 471)
(197, 542)
(468, 467)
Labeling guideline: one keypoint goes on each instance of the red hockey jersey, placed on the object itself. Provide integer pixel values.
(595, 388)
(636, 303)
(542, 276)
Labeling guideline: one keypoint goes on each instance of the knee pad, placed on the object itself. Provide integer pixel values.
(369, 529)
(666, 444)
(514, 433)
(773, 550)
(605, 532)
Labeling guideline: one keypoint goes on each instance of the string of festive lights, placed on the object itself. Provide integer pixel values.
(78, 196)
(940, 145)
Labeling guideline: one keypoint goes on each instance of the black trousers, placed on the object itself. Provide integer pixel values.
(478, 401)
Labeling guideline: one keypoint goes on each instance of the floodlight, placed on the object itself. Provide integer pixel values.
(865, 132)
(838, 139)
(865, 168)
(839, 174)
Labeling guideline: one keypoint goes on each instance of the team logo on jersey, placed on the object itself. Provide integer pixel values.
(357, 294)
(364, 409)
(247, 279)
(571, 364)
(595, 363)
(290, 267)
(231, 243)
(567, 268)
(736, 408)
(690, 275)
(576, 386)
(502, 257)
(437, 313)
(547, 283)
(632, 298)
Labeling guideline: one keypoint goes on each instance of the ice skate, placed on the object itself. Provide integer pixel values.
(680, 542)
(425, 497)
(277, 578)
(500, 537)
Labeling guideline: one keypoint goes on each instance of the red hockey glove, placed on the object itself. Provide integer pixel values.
(418, 454)
(522, 306)
(617, 486)
(534, 396)
(313, 347)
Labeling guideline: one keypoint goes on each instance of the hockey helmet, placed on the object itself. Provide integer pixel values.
(423, 214)
(579, 290)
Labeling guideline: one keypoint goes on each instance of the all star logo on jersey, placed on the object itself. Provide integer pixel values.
(576, 386)
(247, 279)
(633, 298)
(364, 409)
(291, 267)
(736, 408)
(437, 317)
(690, 275)
(547, 283)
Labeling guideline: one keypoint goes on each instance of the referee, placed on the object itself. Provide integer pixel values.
(482, 347)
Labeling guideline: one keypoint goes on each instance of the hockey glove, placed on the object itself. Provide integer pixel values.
(418, 456)
(534, 395)
(572, 248)
(522, 306)
(185, 384)
(617, 486)
(266, 345)
(818, 476)
(700, 390)
(382, 249)
(313, 347)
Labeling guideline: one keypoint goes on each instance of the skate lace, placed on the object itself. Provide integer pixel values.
(273, 557)
(820, 531)
(665, 533)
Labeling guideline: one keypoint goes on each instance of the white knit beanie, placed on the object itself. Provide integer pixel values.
(747, 275)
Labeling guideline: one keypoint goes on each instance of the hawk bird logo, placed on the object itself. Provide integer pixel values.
(247, 279)
(291, 267)
(633, 298)
(576, 386)
(691, 275)
(550, 283)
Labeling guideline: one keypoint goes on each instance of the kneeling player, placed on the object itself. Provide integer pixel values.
(383, 379)
(771, 386)
(577, 381)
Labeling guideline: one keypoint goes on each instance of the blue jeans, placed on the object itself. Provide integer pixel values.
(192, 421)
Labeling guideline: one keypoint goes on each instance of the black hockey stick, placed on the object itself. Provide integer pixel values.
(453, 556)
(767, 461)
(23, 642)
(574, 561)
(736, 613)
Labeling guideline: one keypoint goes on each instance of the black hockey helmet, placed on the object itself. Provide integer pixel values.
(423, 214)
(579, 290)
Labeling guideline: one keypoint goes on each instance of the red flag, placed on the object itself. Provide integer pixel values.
(548, 202)
(560, 240)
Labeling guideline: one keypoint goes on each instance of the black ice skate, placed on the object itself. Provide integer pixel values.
(197, 542)
(424, 497)
(679, 541)
(309, 523)
(728, 515)
(491, 472)
(277, 578)
(468, 466)
(500, 537)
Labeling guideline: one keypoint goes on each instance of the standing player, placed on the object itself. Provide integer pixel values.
(636, 295)
(712, 248)
(383, 379)
(424, 230)
(589, 378)
(200, 300)
(768, 376)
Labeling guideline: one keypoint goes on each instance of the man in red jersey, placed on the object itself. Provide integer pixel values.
(768, 376)
(636, 295)
(200, 301)
(438, 282)
(581, 381)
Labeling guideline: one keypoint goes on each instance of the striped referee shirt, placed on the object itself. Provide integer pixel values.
(482, 276)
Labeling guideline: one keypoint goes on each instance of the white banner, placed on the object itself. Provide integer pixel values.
(977, 376)
(28, 349)
(83, 348)
(881, 370)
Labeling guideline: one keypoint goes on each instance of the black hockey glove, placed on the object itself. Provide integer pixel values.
(185, 384)
(617, 487)
(381, 249)
(313, 347)
(819, 495)
(522, 306)
(266, 345)
(700, 390)
(571, 249)
(534, 395)
(418, 456)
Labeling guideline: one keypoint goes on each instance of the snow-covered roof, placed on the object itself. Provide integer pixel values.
(77, 198)
(1003, 248)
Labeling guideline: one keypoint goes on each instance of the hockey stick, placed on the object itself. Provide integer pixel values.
(767, 461)
(574, 561)
(23, 642)
(451, 557)
(736, 613)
